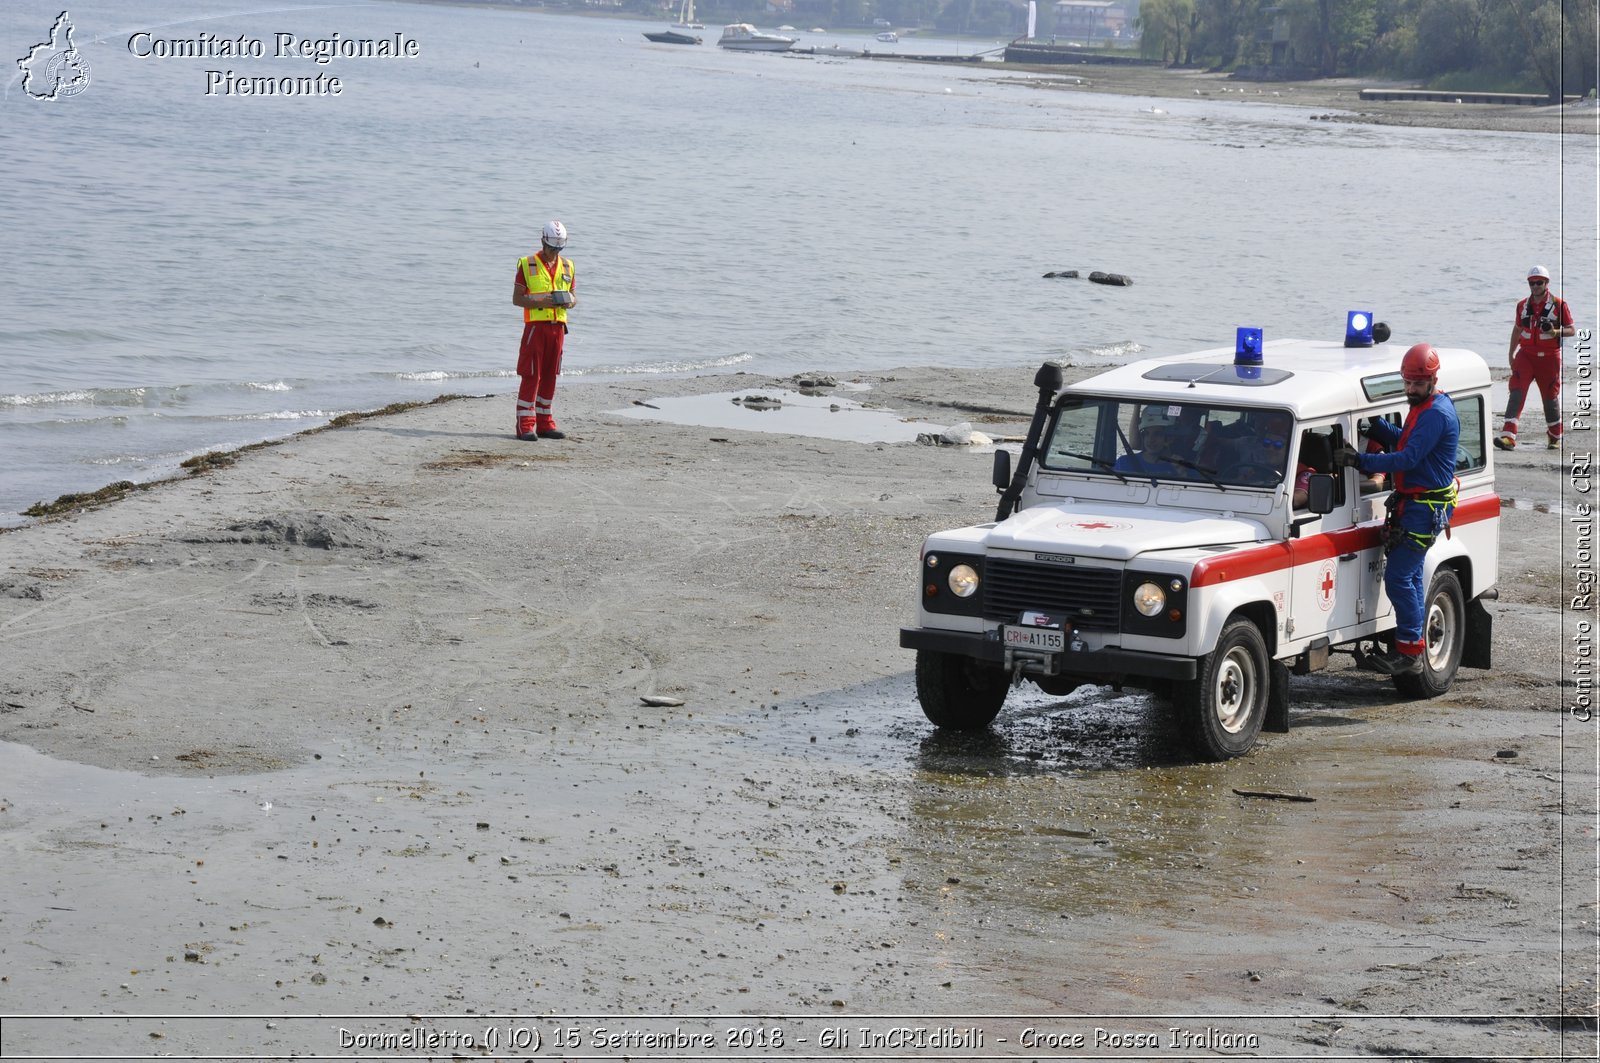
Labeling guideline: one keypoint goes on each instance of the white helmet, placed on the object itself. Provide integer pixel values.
(555, 234)
(1538, 271)
(1156, 417)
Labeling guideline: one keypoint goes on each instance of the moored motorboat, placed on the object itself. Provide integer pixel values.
(672, 36)
(743, 37)
(888, 36)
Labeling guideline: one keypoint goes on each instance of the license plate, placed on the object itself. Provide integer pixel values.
(1048, 640)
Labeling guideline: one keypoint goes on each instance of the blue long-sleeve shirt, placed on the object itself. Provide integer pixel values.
(1428, 459)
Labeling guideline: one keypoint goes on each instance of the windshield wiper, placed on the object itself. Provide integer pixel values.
(1091, 459)
(1202, 470)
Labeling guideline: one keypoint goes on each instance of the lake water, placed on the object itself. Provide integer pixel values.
(193, 271)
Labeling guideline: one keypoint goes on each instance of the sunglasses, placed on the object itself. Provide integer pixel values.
(1536, 284)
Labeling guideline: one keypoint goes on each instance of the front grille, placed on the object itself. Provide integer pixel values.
(1090, 598)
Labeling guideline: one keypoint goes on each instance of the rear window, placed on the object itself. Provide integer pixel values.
(1383, 386)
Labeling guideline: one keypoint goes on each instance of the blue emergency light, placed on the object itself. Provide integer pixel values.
(1247, 353)
(1358, 329)
(1247, 347)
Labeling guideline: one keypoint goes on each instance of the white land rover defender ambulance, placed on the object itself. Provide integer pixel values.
(1178, 525)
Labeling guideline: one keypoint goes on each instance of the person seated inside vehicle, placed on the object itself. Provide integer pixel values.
(1371, 482)
(1158, 436)
(1258, 458)
(1316, 455)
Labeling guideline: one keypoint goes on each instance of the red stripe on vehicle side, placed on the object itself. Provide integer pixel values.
(1260, 560)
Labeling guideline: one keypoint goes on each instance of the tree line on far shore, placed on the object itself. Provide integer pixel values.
(1544, 46)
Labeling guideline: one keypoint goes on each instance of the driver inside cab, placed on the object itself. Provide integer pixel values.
(1259, 457)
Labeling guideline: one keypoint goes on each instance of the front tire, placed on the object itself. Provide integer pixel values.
(1222, 709)
(1444, 630)
(956, 692)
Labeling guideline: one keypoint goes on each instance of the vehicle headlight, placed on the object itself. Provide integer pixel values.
(1149, 599)
(963, 581)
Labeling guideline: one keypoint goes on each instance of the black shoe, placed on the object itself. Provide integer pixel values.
(1393, 663)
(528, 437)
(552, 433)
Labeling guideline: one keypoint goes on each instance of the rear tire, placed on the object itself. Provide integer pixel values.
(1444, 630)
(1222, 708)
(957, 693)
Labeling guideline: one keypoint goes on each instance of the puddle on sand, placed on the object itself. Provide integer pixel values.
(1090, 805)
(793, 413)
(1553, 508)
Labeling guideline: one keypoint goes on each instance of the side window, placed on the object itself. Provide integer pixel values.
(1316, 455)
(1470, 453)
(1374, 483)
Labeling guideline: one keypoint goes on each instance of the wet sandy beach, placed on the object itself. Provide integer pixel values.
(356, 728)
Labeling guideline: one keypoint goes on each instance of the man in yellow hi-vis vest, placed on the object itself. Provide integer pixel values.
(544, 291)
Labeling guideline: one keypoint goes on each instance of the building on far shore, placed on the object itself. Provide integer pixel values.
(1095, 19)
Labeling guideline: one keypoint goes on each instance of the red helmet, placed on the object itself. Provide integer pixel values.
(1421, 362)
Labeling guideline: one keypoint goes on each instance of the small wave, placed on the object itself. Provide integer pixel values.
(281, 415)
(47, 398)
(260, 415)
(660, 367)
(69, 424)
(432, 375)
(1116, 351)
(123, 459)
(276, 385)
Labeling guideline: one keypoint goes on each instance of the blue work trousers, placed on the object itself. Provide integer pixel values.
(1402, 578)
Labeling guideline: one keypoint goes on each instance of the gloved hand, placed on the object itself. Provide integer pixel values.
(1346, 457)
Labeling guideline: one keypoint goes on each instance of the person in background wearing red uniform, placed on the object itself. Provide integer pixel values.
(544, 291)
(1535, 354)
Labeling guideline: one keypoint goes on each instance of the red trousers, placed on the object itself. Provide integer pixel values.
(1527, 369)
(538, 364)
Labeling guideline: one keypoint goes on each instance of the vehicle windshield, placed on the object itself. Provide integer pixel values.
(1228, 446)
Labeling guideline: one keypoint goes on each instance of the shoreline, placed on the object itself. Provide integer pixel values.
(1336, 99)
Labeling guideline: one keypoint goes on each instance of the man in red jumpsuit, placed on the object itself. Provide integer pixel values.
(544, 291)
(1535, 354)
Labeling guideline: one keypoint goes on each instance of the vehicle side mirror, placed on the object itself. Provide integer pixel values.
(1320, 492)
(1002, 469)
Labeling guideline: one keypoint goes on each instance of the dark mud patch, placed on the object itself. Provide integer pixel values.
(285, 600)
(12, 587)
(459, 460)
(313, 529)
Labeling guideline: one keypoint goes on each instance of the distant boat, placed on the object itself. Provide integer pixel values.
(743, 37)
(679, 32)
(686, 18)
(673, 36)
(888, 36)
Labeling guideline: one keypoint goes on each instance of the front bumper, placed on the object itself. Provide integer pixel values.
(1091, 664)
